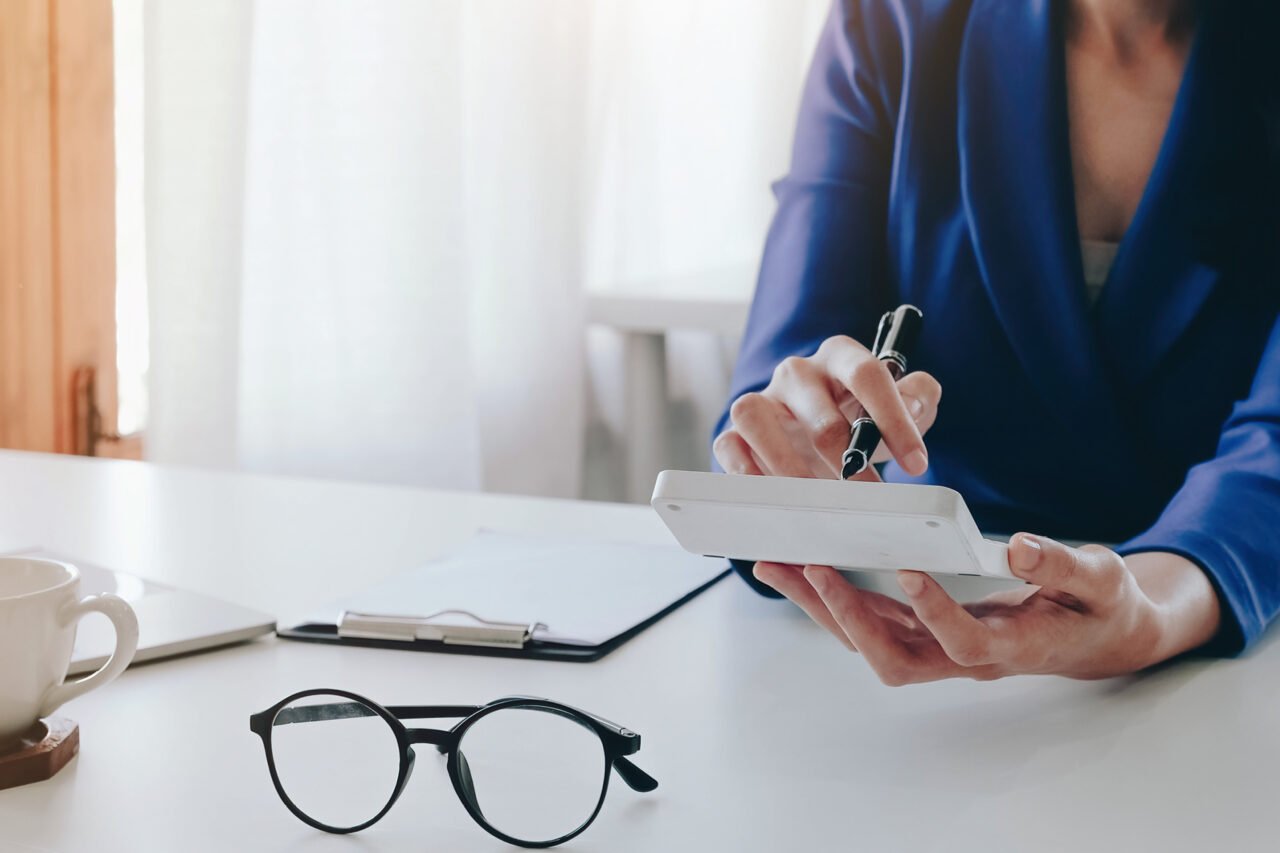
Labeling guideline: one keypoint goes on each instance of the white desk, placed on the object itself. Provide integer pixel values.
(763, 732)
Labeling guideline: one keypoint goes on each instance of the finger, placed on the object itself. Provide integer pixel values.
(922, 395)
(871, 383)
(867, 475)
(1093, 575)
(881, 605)
(966, 641)
(758, 420)
(893, 661)
(890, 608)
(804, 389)
(733, 454)
(1001, 601)
(789, 581)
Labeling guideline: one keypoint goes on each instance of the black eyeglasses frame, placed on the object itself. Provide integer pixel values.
(618, 742)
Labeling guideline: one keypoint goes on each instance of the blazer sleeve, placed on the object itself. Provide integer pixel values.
(822, 273)
(1226, 516)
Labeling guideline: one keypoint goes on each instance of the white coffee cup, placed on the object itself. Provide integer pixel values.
(40, 606)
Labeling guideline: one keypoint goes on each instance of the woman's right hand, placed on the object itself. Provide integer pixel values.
(799, 425)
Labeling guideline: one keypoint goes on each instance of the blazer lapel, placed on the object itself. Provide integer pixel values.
(1020, 201)
(1192, 209)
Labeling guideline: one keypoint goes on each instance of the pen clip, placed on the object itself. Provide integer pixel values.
(886, 319)
(898, 336)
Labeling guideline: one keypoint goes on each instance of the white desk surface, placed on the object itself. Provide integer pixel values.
(763, 732)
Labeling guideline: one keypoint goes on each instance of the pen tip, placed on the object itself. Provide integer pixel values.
(855, 462)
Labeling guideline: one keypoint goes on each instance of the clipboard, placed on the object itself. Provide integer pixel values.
(513, 596)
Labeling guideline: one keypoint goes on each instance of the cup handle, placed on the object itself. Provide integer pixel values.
(126, 624)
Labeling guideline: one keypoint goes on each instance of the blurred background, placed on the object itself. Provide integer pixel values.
(476, 244)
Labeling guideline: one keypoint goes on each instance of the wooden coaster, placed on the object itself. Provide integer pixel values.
(41, 752)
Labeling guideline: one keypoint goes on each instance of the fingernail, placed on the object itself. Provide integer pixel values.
(916, 463)
(915, 406)
(912, 584)
(1025, 559)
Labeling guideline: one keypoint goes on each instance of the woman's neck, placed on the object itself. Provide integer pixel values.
(1127, 28)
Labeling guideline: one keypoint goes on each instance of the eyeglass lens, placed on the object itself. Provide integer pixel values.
(337, 760)
(535, 775)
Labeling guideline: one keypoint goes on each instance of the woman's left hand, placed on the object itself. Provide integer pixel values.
(1087, 614)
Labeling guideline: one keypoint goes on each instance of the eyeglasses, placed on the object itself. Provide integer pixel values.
(531, 772)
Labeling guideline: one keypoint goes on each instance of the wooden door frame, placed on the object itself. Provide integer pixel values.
(57, 217)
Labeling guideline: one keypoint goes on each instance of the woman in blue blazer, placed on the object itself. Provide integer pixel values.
(1081, 196)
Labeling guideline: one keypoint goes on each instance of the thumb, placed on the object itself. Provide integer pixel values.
(1092, 574)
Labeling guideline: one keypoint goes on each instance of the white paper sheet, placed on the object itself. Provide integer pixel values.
(583, 593)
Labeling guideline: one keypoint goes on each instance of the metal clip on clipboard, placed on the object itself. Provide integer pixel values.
(406, 629)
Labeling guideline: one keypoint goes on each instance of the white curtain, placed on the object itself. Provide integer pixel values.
(370, 224)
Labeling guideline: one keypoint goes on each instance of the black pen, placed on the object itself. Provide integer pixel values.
(895, 338)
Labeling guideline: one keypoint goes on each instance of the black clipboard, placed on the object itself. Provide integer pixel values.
(317, 632)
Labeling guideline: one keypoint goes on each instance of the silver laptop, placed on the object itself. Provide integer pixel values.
(170, 621)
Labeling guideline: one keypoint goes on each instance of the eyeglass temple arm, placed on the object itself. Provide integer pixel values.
(430, 712)
(621, 731)
(635, 778)
(349, 710)
(427, 712)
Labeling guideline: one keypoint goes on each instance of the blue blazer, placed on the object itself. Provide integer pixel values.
(932, 166)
